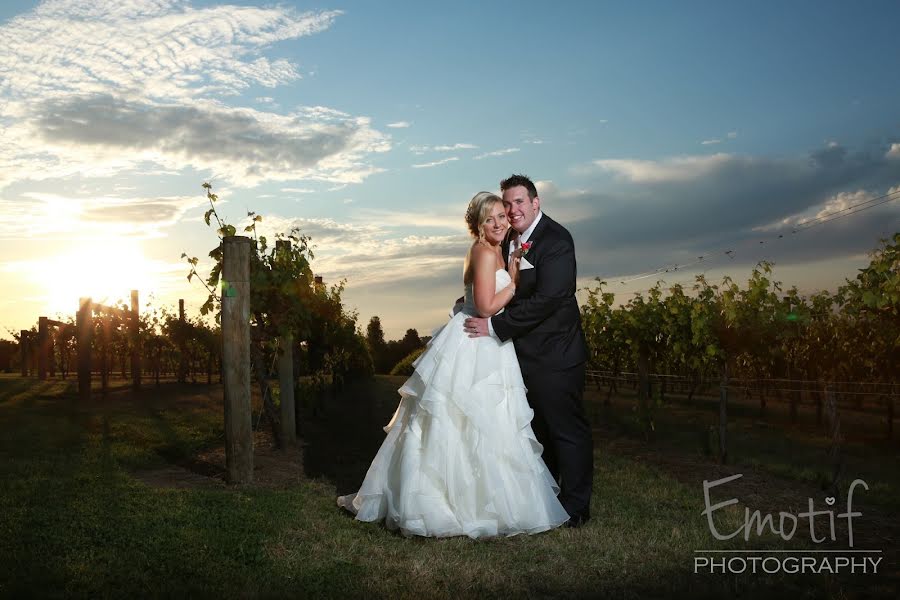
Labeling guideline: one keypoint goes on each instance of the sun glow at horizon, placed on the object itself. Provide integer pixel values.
(104, 270)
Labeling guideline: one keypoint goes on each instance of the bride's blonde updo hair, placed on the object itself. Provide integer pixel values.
(477, 213)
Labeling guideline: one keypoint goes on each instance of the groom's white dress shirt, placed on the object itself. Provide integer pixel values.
(512, 248)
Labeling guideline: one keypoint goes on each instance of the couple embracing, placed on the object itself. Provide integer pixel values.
(498, 386)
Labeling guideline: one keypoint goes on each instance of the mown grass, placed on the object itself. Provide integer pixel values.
(76, 522)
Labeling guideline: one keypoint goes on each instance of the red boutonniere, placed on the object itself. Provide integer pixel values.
(526, 247)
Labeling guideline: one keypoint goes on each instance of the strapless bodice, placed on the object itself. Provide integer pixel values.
(501, 280)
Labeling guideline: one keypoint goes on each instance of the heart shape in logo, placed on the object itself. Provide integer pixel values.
(829, 501)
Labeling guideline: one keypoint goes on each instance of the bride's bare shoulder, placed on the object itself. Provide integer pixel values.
(478, 248)
(482, 252)
(485, 258)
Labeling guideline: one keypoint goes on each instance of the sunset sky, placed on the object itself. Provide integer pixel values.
(658, 132)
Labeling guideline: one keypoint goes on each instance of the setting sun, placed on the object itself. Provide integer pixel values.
(104, 270)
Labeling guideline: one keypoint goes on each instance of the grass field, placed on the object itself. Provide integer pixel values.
(123, 497)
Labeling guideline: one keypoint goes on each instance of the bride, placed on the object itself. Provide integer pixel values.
(460, 457)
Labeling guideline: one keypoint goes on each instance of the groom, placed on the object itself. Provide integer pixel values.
(544, 323)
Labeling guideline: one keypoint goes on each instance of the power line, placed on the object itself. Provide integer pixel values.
(890, 197)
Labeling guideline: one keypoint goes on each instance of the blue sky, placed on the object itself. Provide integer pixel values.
(657, 131)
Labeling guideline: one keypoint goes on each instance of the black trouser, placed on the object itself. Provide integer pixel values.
(561, 426)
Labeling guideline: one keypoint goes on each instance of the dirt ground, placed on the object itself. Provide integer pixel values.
(272, 468)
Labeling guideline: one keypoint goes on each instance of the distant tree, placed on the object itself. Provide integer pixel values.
(375, 335)
(411, 340)
(389, 353)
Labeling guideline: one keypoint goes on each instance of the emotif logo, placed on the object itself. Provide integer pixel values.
(784, 561)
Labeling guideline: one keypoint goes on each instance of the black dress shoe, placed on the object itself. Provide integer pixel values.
(576, 521)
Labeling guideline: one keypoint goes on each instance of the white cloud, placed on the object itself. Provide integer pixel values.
(443, 148)
(454, 147)
(101, 88)
(497, 153)
(291, 190)
(149, 48)
(435, 163)
(894, 151)
(681, 168)
(101, 134)
(346, 249)
(728, 136)
(399, 125)
(835, 205)
(451, 219)
(37, 214)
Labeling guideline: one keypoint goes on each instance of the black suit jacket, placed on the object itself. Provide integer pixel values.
(543, 318)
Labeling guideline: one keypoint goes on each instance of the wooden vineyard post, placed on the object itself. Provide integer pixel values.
(723, 415)
(287, 408)
(236, 358)
(834, 432)
(157, 361)
(662, 388)
(43, 348)
(817, 394)
(762, 398)
(182, 346)
(644, 391)
(51, 348)
(612, 383)
(890, 412)
(794, 395)
(84, 328)
(23, 350)
(134, 331)
(104, 354)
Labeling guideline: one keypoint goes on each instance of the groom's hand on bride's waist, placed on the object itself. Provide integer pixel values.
(477, 327)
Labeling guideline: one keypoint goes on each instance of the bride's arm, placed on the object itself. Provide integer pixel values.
(484, 264)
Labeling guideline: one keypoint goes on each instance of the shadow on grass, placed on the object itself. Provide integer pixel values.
(343, 432)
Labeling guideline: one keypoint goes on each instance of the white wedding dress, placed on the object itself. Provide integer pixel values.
(460, 457)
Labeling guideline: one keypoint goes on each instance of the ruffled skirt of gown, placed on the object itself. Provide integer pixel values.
(460, 457)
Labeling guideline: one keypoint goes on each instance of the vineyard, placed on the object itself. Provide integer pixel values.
(832, 350)
(759, 341)
(171, 346)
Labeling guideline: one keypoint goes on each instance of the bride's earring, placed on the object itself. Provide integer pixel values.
(481, 236)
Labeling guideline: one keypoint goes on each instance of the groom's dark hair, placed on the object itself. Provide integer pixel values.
(517, 180)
